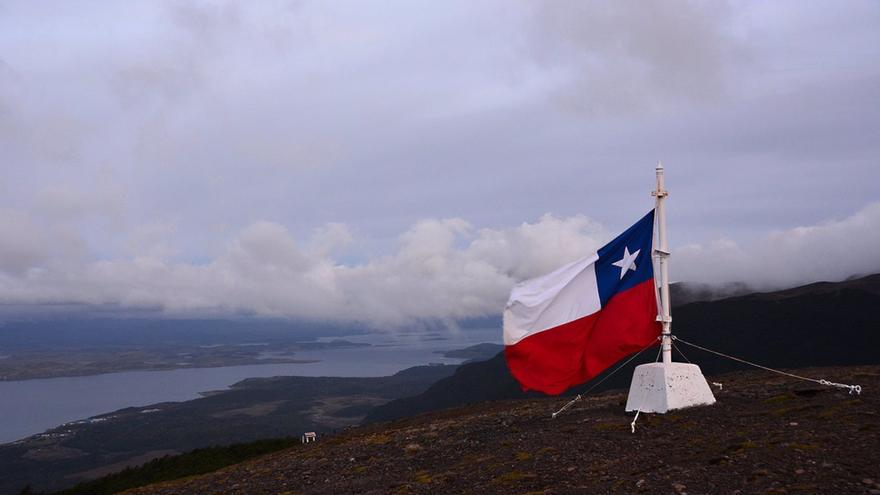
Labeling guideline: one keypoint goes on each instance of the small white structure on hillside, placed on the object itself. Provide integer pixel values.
(666, 386)
(309, 436)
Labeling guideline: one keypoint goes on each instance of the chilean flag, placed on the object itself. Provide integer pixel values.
(566, 327)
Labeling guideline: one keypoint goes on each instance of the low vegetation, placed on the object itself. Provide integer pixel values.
(167, 468)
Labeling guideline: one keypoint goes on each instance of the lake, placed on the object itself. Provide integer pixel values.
(28, 407)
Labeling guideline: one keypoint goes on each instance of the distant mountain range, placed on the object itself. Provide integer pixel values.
(819, 324)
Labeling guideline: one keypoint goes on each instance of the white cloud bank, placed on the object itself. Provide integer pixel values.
(441, 269)
(832, 250)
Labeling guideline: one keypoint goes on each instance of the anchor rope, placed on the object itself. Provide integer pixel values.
(852, 388)
(680, 352)
(677, 348)
(579, 396)
(644, 394)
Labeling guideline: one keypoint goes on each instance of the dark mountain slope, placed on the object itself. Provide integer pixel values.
(815, 325)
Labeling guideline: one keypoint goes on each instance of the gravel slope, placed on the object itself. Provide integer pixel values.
(766, 434)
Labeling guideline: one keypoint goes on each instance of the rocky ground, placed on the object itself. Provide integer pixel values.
(766, 434)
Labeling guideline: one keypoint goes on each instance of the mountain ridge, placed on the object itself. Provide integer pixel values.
(819, 324)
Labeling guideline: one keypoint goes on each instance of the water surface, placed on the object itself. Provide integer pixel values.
(28, 407)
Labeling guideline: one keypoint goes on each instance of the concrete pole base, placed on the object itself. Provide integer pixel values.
(662, 387)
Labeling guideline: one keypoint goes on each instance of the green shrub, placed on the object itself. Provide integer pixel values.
(167, 468)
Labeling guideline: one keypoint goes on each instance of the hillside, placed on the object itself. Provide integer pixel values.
(253, 409)
(766, 434)
(819, 324)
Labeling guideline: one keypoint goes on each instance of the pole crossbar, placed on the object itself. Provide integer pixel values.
(852, 388)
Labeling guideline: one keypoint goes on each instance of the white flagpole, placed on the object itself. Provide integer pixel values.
(662, 254)
(666, 386)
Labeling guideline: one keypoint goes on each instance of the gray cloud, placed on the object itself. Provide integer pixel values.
(265, 157)
(631, 55)
(25, 248)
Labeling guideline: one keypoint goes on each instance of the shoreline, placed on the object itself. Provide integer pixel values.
(49, 376)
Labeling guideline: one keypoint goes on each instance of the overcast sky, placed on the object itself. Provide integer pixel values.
(389, 161)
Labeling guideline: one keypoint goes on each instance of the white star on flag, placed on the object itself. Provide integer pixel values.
(628, 262)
